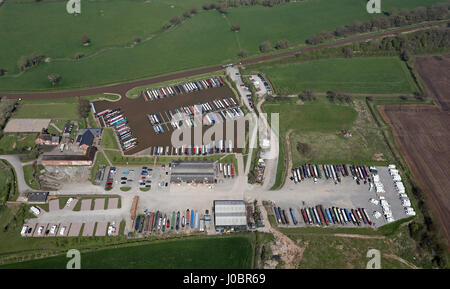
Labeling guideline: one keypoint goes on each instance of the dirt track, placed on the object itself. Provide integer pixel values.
(423, 135)
(122, 88)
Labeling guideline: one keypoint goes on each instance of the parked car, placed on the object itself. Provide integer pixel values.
(53, 229)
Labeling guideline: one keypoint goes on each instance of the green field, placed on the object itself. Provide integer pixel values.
(319, 123)
(47, 110)
(200, 253)
(108, 139)
(12, 143)
(355, 75)
(205, 39)
(8, 190)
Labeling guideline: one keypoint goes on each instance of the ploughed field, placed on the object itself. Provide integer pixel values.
(137, 110)
(423, 135)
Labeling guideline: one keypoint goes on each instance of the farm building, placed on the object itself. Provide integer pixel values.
(230, 214)
(70, 160)
(192, 172)
(37, 197)
(85, 140)
(47, 139)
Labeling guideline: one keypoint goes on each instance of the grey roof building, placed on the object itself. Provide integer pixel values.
(230, 214)
(37, 197)
(192, 172)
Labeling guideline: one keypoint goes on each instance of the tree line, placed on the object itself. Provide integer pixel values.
(391, 19)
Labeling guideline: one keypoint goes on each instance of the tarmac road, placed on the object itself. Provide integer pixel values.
(122, 88)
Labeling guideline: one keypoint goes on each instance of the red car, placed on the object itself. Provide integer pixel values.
(168, 223)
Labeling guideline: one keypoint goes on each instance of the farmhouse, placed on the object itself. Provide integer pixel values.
(86, 159)
(230, 214)
(192, 172)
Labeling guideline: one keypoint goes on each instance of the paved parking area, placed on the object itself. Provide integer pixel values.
(101, 229)
(35, 234)
(66, 231)
(75, 229)
(32, 226)
(99, 204)
(113, 203)
(88, 229)
(50, 234)
(71, 205)
(53, 205)
(259, 85)
(86, 205)
(346, 194)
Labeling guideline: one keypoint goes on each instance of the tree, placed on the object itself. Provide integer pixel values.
(242, 53)
(54, 78)
(222, 9)
(79, 55)
(83, 107)
(405, 55)
(85, 40)
(348, 51)
(137, 40)
(166, 26)
(36, 58)
(282, 44)
(23, 63)
(235, 27)
(266, 46)
(175, 20)
(194, 10)
(2, 71)
(187, 14)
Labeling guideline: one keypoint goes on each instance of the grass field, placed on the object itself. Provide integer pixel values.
(108, 139)
(8, 189)
(47, 110)
(205, 39)
(199, 253)
(356, 75)
(11, 143)
(318, 124)
(28, 171)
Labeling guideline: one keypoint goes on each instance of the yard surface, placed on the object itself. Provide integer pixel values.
(112, 27)
(199, 253)
(356, 75)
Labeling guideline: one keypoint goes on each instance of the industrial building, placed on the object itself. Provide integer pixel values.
(230, 215)
(192, 172)
(86, 159)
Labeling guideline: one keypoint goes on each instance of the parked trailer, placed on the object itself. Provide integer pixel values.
(192, 219)
(294, 219)
(197, 220)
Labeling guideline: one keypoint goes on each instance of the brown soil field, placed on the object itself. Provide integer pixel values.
(423, 135)
(136, 111)
(435, 73)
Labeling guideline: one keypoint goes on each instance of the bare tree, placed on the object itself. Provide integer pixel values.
(54, 78)
(266, 46)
